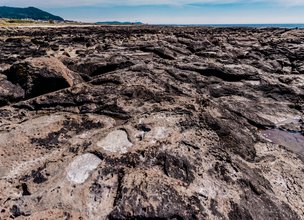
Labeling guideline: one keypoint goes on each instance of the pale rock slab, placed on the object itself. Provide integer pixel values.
(116, 142)
(79, 170)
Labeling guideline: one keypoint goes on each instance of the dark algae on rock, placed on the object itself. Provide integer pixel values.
(151, 122)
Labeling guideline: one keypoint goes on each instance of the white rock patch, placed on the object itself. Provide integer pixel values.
(115, 142)
(157, 133)
(79, 170)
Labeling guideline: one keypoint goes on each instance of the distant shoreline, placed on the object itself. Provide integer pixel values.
(79, 24)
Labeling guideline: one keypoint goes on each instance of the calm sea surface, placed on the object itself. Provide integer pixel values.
(247, 25)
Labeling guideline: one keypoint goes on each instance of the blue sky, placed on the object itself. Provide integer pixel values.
(173, 12)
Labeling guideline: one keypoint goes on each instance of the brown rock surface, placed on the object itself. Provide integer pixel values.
(38, 76)
(151, 123)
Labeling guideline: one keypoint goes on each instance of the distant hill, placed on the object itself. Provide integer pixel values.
(118, 23)
(27, 13)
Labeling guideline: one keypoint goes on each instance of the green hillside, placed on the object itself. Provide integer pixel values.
(27, 13)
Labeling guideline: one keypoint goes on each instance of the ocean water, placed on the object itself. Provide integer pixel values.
(246, 25)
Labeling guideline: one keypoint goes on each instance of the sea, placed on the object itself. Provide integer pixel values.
(290, 26)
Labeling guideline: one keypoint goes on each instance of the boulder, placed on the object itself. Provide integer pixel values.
(39, 76)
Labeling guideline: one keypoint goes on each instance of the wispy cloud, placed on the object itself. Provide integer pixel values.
(72, 3)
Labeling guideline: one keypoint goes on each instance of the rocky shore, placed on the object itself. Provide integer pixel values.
(151, 123)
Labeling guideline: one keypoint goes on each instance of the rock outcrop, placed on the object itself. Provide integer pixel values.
(39, 76)
(151, 123)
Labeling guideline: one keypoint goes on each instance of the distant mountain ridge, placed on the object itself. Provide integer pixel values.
(118, 23)
(27, 13)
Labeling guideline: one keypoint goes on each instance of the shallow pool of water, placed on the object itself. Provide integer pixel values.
(294, 141)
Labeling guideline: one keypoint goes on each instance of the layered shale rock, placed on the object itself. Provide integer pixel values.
(151, 123)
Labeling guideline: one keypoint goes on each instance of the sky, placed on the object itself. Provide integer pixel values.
(173, 11)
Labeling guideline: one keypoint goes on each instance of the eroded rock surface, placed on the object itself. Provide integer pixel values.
(151, 123)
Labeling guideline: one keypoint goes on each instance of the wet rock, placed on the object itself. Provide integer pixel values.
(294, 141)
